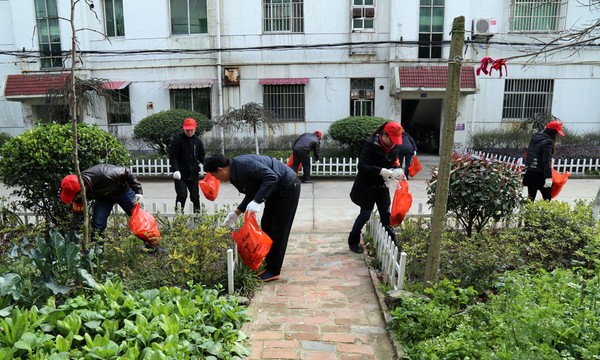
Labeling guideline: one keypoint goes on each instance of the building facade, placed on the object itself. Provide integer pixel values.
(312, 62)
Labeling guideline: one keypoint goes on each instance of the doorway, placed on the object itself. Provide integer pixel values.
(421, 118)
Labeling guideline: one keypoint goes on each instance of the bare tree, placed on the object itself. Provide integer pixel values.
(250, 115)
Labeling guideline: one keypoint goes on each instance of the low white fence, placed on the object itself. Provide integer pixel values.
(574, 166)
(393, 262)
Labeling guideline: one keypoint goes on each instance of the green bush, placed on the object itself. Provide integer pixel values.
(157, 130)
(501, 138)
(352, 132)
(35, 162)
(4, 137)
(480, 191)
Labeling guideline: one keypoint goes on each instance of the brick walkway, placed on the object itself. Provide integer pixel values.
(323, 307)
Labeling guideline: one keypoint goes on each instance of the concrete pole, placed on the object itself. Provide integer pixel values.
(219, 71)
(443, 180)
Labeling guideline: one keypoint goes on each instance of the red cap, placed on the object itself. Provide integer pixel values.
(69, 188)
(394, 131)
(189, 124)
(555, 125)
(319, 134)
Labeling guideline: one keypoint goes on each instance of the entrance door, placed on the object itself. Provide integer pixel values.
(421, 118)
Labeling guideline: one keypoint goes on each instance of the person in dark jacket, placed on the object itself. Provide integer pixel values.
(107, 185)
(186, 153)
(263, 180)
(408, 149)
(301, 149)
(378, 161)
(538, 161)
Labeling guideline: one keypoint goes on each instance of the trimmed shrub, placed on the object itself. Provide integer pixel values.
(157, 130)
(352, 132)
(35, 162)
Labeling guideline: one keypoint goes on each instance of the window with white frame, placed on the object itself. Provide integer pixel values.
(524, 98)
(363, 15)
(431, 29)
(537, 15)
(283, 16)
(362, 97)
(287, 101)
(113, 13)
(118, 107)
(197, 100)
(189, 17)
(48, 30)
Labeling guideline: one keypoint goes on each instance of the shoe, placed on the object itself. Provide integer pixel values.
(267, 276)
(156, 250)
(306, 182)
(355, 248)
(261, 272)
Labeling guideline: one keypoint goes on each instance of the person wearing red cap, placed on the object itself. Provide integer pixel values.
(186, 153)
(107, 185)
(538, 160)
(301, 149)
(378, 162)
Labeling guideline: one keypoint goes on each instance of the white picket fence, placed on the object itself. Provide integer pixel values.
(574, 166)
(393, 262)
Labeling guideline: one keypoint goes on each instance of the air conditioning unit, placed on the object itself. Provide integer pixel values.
(484, 27)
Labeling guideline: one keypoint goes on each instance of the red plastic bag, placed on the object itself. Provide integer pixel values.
(558, 181)
(401, 204)
(252, 243)
(290, 163)
(210, 186)
(143, 225)
(415, 167)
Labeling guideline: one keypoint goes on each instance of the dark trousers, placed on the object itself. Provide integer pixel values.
(532, 192)
(181, 189)
(301, 157)
(103, 207)
(406, 159)
(277, 219)
(383, 203)
(534, 182)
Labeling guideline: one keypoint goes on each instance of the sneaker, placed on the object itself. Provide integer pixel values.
(355, 248)
(306, 182)
(267, 276)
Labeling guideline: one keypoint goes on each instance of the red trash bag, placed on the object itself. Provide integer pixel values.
(558, 181)
(401, 204)
(252, 243)
(415, 167)
(143, 225)
(210, 186)
(290, 163)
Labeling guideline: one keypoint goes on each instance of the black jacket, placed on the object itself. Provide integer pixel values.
(539, 154)
(259, 177)
(104, 180)
(368, 182)
(408, 145)
(307, 142)
(186, 154)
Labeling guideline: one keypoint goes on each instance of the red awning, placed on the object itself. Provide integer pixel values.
(188, 84)
(20, 86)
(115, 85)
(433, 78)
(284, 81)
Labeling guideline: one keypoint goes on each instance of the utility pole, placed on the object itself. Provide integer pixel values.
(443, 179)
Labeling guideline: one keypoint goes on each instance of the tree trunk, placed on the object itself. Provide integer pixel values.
(256, 140)
(441, 192)
(596, 207)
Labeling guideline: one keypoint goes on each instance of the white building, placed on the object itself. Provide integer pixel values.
(311, 61)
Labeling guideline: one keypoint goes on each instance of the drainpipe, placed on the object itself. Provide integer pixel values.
(219, 71)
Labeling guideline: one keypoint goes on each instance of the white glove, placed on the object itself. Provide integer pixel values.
(398, 174)
(177, 175)
(253, 207)
(548, 183)
(386, 173)
(137, 198)
(415, 153)
(230, 219)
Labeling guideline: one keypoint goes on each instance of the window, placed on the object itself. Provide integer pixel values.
(47, 114)
(46, 15)
(113, 13)
(287, 101)
(363, 15)
(197, 100)
(119, 110)
(537, 15)
(188, 17)
(523, 98)
(283, 15)
(362, 97)
(431, 29)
